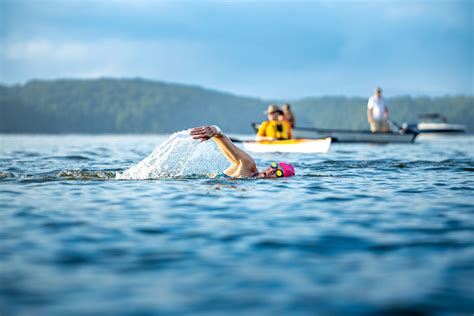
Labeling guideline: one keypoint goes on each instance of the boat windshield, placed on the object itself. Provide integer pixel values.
(432, 118)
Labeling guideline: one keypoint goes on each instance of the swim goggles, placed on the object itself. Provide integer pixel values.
(278, 172)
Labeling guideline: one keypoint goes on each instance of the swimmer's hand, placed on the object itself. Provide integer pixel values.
(205, 132)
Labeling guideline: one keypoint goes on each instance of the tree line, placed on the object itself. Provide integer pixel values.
(143, 106)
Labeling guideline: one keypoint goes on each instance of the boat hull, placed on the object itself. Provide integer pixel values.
(309, 146)
(351, 136)
(440, 128)
(361, 137)
(435, 123)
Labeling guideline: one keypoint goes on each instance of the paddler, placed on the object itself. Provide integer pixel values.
(242, 164)
(276, 127)
(289, 116)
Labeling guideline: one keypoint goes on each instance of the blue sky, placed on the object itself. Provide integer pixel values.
(270, 49)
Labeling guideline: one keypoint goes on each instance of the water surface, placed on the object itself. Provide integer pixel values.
(364, 230)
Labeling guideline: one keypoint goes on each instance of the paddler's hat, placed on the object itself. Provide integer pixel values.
(272, 108)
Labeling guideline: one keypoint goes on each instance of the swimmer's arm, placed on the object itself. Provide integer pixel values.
(233, 153)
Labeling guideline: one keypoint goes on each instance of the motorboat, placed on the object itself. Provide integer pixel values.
(436, 123)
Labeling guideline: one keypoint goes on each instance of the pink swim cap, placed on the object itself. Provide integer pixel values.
(287, 168)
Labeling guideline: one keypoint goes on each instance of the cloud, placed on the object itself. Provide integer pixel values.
(447, 14)
(36, 50)
(268, 49)
(167, 59)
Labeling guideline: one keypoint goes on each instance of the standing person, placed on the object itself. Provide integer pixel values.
(377, 112)
(273, 128)
(289, 116)
(242, 164)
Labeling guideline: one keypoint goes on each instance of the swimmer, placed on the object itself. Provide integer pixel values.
(242, 165)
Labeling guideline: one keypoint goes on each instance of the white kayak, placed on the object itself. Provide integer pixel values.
(301, 145)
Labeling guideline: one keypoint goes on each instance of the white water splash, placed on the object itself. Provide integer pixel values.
(178, 156)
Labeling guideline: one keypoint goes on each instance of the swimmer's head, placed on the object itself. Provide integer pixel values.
(278, 170)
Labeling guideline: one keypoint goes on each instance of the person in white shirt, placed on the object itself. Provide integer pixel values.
(377, 112)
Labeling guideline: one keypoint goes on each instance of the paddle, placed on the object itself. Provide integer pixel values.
(403, 130)
(236, 140)
(319, 130)
(395, 125)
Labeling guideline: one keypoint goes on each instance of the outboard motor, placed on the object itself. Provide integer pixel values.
(409, 129)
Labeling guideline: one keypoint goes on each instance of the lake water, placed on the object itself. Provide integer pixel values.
(362, 230)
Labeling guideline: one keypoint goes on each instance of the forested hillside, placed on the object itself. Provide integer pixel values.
(141, 106)
(351, 113)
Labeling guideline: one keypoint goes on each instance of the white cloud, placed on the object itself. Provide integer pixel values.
(40, 49)
(197, 62)
(442, 12)
(165, 59)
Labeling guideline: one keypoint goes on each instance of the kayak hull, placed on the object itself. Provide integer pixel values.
(309, 146)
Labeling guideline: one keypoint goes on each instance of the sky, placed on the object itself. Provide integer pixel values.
(268, 49)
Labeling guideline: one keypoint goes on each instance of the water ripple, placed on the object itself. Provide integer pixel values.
(395, 221)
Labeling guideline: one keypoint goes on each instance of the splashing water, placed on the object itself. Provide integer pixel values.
(178, 156)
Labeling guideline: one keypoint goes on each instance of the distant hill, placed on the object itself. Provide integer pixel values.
(143, 106)
(351, 113)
